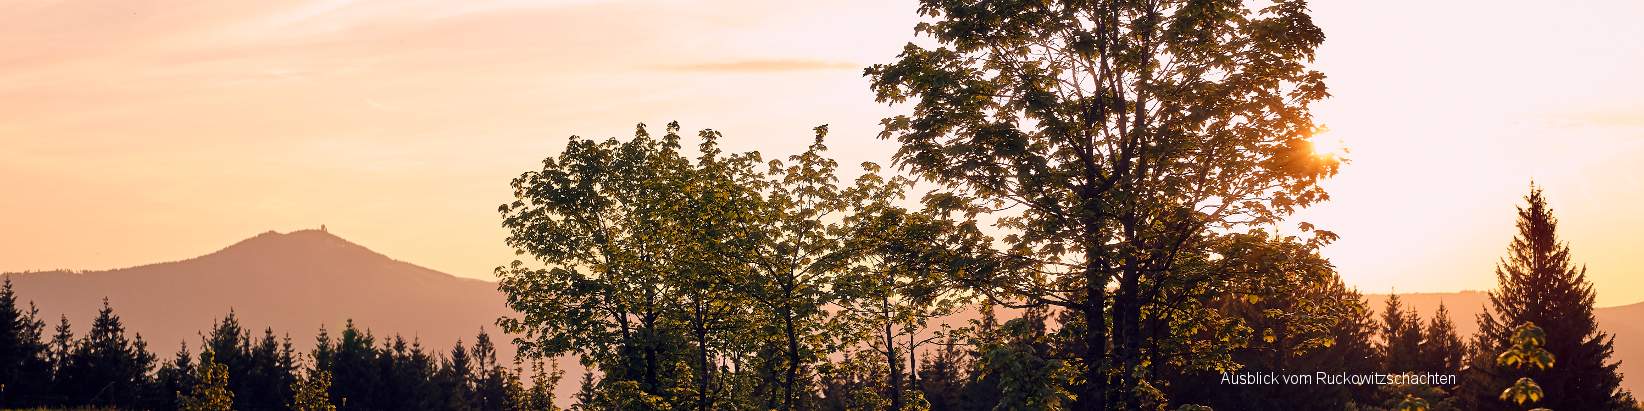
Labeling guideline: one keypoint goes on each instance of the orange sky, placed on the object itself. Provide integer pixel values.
(143, 131)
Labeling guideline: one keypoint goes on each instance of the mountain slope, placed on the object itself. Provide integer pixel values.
(294, 283)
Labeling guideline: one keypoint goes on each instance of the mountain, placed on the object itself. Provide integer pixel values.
(1625, 322)
(294, 282)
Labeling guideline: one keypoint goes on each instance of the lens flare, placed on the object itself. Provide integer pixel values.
(1328, 147)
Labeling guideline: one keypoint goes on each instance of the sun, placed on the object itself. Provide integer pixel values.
(1328, 147)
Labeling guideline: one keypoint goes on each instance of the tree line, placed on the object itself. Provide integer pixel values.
(711, 284)
(1124, 168)
(1117, 172)
(238, 369)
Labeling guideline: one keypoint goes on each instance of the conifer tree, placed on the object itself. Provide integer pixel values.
(354, 372)
(1354, 350)
(417, 368)
(490, 379)
(260, 371)
(1401, 337)
(405, 373)
(25, 366)
(1538, 283)
(942, 375)
(104, 368)
(62, 343)
(270, 370)
(324, 350)
(229, 346)
(1437, 350)
(175, 377)
(1442, 352)
(455, 380)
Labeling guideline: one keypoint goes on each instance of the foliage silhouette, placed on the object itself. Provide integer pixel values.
(1143, 148)
(1539, 284)
(211, 392)
(25, 365)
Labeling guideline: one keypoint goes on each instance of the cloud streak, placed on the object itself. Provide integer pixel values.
(758, 66)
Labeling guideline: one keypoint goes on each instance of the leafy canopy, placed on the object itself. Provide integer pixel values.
(1137, 152)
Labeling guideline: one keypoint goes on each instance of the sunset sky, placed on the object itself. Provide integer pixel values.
(141, 131)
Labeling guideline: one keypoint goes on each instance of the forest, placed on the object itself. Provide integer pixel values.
(1087, 212)
(849, 312)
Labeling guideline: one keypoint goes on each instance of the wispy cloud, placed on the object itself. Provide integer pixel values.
(754, 66)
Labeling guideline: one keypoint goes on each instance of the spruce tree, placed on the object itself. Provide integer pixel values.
(543, 381)
(1354, 349)
(355, 377)
(25, 367)
(175, 377)
(1433, 350)
(62, 343)
(455, 380)
(1442, 351)
(227, 342)
(942, 374)
(105, 368)
(490, 379)
(268, 374)
(1401, 337)
(420, 368)
(1538, 283)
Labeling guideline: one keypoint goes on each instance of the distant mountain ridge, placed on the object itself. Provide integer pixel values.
(293, 282)
(298, 281)
(1625, 322)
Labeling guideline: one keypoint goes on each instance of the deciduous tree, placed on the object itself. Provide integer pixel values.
(1141, 148)
(313, 393)
(793, 245)
(655, 260)
(590, 216)
(901, 286)
(1282, 352)
(211, 391)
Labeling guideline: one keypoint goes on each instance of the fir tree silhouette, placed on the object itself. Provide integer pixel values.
(1539, 284)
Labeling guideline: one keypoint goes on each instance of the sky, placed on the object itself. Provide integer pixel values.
(145, 131)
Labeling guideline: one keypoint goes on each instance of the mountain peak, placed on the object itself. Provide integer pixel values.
(293, 282)
(302, 247)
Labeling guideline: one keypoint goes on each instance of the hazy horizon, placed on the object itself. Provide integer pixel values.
(147, 131)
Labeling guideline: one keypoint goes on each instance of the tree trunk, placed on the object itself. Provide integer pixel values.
(793, 359)
(702, 348)
(1094, 396)
(895, 366)
(1128, 337)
